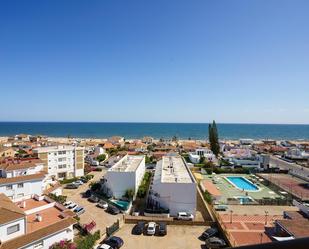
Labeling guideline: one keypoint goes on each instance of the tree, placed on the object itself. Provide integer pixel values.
(213, 138)
(129, 194)
(101, 158)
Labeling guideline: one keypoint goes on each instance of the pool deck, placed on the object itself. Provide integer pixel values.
(229, 191)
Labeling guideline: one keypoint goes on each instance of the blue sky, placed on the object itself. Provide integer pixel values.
(162, 61)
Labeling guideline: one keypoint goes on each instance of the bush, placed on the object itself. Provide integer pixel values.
(89, 241)
(129, 194)
(58, 198)
(89, 176)
(142, 190)
(209, 171)
(207, 197)
(95, 186)
(101, 158)
(66, 181)
(63, 244)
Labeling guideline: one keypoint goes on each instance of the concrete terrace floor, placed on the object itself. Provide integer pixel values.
(229, 191)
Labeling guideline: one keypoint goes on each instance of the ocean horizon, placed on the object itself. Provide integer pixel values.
(131, 130)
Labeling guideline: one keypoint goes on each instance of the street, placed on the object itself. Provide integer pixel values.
(293, 167)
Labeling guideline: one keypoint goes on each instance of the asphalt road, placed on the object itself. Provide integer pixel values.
(292, 167)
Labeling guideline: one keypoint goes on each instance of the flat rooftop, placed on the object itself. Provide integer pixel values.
(127, 164)
(174, 170)
(49, 216)
(31, 204)
(55, 148)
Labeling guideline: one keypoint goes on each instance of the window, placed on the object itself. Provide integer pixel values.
(62, 175)
(62, 159)
(12, 229)
(62, 166)
(9, 187)
(20, 185)
(38, 245)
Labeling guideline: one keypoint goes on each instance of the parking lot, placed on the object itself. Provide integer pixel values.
(92, 213)
(177, 237)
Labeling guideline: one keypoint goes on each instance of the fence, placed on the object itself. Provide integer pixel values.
(291, 188)
(113, 228)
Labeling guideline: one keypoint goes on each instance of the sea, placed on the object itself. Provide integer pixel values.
(155, 130)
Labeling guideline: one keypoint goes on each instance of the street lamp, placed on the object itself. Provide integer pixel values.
(266, 214)
(231, 216)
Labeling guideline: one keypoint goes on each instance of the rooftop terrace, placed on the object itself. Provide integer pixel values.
(174, 170)
(127, 164)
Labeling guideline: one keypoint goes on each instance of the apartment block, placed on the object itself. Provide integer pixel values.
(126, 174)
(173, 187)
(62, 161)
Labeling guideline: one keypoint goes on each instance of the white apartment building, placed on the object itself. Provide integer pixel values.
(125, 174)
(174, 186)
(201, 152)
(62, 161)
(22, 178)
(35, 223)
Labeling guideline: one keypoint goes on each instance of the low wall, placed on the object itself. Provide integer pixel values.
(128, 219)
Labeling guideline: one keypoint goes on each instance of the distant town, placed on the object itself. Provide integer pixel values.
(110, 193)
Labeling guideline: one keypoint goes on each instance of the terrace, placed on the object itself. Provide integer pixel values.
(233, 195)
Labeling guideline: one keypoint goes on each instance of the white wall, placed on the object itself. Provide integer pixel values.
(177, 197)
(30, 188)
(119, 181)
(52, 239)
(3, 230)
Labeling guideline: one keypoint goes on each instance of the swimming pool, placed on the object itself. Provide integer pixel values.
(242, 183)
(124, 205)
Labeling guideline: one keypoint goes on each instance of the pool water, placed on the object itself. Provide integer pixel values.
(242, 183)
(124, 205)
(244, 199)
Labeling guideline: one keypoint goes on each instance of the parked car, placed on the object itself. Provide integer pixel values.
(139, 228)
(104, 246)
(184, 216)
(102, 204)
(151, 228)
(162, 229)
(215, 242)
(114, 241)
(93, 199)
(210, 232)
(78, 182)
(84, 179)
(79, 210)
(72, 206)
(112, 210)
(71, 186)
(67, 203)
(87, 194)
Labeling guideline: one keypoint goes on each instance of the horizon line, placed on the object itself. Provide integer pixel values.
(152, 122)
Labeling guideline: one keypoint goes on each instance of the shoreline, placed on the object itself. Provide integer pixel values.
(61, 139)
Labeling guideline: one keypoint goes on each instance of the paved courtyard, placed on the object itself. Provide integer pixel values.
(178, 237)
(92, 213)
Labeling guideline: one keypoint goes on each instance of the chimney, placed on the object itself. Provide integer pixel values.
(38, 217)
(23, 204)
